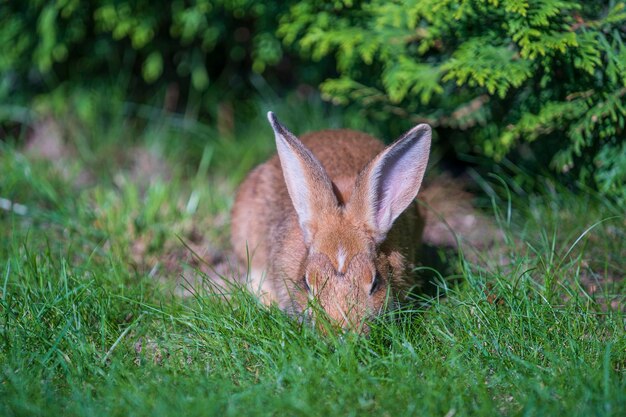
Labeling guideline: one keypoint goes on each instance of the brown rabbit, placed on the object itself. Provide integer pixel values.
(332, 217)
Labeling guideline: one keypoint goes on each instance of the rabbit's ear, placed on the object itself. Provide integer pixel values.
(387, 185)
(309, 186)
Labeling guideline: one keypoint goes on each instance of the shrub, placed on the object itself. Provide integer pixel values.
(490, 74)
(495, 77)
(141, 44)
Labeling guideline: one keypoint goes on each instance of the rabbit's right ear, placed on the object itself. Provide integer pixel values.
(309, 186)
(386, 187)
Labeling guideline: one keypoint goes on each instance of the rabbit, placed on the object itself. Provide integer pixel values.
(332, 218)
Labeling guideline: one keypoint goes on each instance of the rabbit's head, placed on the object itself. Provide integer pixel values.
(352, 265)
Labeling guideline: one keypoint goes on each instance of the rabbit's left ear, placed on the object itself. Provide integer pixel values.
(386, 186)
(308, 184)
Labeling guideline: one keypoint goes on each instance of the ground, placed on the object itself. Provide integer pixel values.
(111, 240)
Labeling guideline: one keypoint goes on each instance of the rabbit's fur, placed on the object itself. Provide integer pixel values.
(332, 217)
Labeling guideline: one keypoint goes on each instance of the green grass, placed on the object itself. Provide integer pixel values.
(91, 322)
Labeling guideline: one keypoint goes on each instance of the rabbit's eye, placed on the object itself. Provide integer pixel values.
(305, 281)
(375, 283)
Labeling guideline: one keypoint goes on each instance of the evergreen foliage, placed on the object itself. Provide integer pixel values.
(494, 77)
(44, 44)
(489, 74)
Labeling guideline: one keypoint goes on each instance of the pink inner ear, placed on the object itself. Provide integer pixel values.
(308, 184)
(397, 176)
(298, 187)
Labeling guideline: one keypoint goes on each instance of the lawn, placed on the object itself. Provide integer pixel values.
(107, 302)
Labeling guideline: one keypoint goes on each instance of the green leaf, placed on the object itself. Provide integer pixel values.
(152, 67)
